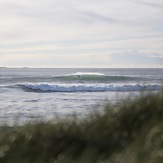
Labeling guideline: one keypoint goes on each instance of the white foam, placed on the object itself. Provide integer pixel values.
(88, 73)
(88, 87)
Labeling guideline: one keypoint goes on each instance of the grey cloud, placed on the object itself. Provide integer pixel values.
(54, 12)
(159, 57)
(33, 10)
(135, 57)
(25, 11)
(150, 4)
(94, 16)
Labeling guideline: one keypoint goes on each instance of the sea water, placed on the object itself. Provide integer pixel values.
(28, 94)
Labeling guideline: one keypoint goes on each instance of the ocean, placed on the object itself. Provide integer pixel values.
(29, 94)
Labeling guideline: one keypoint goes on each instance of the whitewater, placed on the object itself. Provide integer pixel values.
(28, 94)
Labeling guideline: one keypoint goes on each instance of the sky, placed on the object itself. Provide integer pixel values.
(81, 33)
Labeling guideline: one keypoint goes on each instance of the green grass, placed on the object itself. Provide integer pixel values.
(128, 133)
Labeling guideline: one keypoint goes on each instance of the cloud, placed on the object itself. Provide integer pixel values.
(156, 5)
(113, 32)
(136, 58)
(92, 17)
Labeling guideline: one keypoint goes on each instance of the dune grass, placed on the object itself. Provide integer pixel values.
(128, 133)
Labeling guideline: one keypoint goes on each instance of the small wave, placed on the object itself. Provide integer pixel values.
(45, 87)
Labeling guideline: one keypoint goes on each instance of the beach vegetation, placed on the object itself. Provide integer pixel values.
(131, 132)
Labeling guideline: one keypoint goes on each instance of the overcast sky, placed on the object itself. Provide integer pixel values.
(81, 33)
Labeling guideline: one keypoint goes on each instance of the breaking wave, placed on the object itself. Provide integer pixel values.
(46, 87)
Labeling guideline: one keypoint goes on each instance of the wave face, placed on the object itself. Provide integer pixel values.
(90, 76)
(46, 87)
